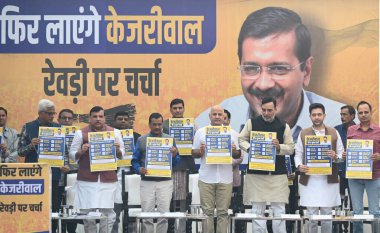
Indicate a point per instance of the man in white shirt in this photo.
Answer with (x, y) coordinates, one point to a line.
(319, 193)
(215, 180)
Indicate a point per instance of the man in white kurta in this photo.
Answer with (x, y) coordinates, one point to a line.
(95, 190)
(319, 193)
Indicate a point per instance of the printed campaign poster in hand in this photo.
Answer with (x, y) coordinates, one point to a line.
(51, 149)
(317, 160)
(129, 145)
(289, 169)
(218, 145)
(69, 136)
(182, 129)
(358, 159)
(262, 155)
(102, 151)
(158, 160)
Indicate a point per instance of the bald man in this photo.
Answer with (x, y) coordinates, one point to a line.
(215, 180)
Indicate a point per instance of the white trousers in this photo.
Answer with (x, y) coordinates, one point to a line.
(326, 226)
(260, 226)
(105, 224)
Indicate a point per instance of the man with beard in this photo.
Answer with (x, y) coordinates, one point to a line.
(266, 186)
(275, 61)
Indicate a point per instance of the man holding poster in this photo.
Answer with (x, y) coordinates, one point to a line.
(155, 189)
(66, 119)
(261, 185)
(95, 190)
(29, 144)
(183, 134)
(121, 122)
(215, 180)
(366, 130)
(319, 193)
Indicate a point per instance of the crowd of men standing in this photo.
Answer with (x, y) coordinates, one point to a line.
(274, 50)
(319, 194)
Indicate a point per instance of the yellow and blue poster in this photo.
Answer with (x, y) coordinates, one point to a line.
(129, 147)
(182, 129)
(69, 136)
(158, 159)
(289, 169)
(102, 151)
(316, 157)
(51, 149)
(358, 159)
(218, 145)
(262, 153)
(24, 197)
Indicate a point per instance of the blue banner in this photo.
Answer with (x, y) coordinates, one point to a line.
(170, 26)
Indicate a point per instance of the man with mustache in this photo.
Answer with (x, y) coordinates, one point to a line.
(275, 61)
(262, 187)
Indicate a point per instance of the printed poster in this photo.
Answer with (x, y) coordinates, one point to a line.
(358, 160)
(317, 160)
(182, 129)
(262, 155)
(218, 145)
(129, 146)
(102, 151)
(24, 197)
(69, 136)
(51, 149)
(158, 161)
(289, 169)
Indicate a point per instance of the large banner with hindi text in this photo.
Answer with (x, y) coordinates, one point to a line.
(137, 56)
(24, 197)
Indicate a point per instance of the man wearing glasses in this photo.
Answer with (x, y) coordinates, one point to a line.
(66, 118)
(275, 61)
(28, 147)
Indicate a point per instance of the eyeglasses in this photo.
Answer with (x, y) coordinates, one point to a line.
(252, 71)
(50, 113)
